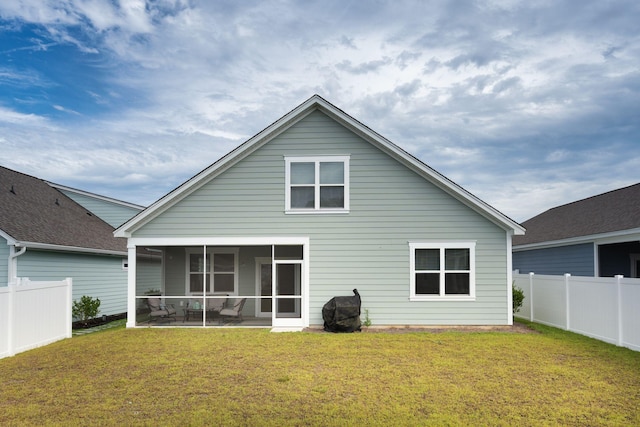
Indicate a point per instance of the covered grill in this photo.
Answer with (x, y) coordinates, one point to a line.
(342, 314)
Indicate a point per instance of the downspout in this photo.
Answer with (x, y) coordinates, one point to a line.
(13, 264)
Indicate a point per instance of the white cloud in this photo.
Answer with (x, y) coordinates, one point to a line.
(489, 93)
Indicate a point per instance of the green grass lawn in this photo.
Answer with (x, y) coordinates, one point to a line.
(254, 377)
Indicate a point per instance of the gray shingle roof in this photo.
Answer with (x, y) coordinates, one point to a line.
(33, 211)
(616, 210)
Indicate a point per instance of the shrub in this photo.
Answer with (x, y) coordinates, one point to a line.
(87, 308)
(518, 298)
(367, 320)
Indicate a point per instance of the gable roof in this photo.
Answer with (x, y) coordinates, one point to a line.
(317, 103)
(34, 214)
(95, 196)
(614, 211)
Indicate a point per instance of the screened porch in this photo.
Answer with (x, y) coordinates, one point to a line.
(219, 286)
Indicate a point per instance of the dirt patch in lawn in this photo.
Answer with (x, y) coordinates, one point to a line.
(516, 328)
(98, 321)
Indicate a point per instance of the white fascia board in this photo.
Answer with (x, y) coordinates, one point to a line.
(600, 239)
(62, 248)
(422, 169)
(10, 240)
(217, 241)
(218, 167)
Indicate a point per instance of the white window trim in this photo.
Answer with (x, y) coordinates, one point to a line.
(317, 160)
(442, 245)
(210, 252)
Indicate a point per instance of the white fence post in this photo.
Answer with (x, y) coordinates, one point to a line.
(620, 322)
(531, 296)
(69, 283)
(567, 302)
(12, 294)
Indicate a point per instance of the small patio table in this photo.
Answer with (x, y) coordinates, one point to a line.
(191, 312)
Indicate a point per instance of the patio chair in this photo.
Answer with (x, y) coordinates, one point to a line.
(158, 310)
(233, 311)
(215, 305)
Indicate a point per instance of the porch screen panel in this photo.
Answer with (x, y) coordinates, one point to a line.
(265, 288)
(288, 278)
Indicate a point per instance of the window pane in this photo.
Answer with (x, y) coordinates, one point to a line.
(428, 283)
(331, 173)
(332, 197)
(196, 263)
(303, 173)
(223, 283)
(195, 283)
(302, 197)
(456, 283)
(223, 263)
(427, 259)
(456, 259)
(288, 252)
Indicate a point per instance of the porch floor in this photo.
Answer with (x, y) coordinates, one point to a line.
(256, 322)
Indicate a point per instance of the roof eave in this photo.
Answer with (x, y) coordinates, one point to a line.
(424, 170)
(600, 238)
(286, 121)
(63, 248)
(10, 240)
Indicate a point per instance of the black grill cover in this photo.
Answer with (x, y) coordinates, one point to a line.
(342, 314)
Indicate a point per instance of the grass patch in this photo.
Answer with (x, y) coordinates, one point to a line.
(253, 377)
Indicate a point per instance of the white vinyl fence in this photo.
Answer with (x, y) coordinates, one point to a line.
(33, 314)
(605, 308)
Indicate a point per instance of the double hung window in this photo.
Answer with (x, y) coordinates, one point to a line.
(442, 271)
(317, 184)
(214, 272)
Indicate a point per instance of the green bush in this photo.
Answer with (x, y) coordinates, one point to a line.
(367, 320)
(85, 309)
(518, 298)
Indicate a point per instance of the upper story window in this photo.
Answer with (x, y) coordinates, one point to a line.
(317, 184)
(442, 271)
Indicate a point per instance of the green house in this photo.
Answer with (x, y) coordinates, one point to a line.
(49, 232)
(312, 207)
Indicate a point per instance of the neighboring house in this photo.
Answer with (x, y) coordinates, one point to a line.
(112, 211)
(597, 236)
(319, 204)
(45, 235)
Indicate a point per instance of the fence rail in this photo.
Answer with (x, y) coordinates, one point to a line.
(605, 308)
(33, 314)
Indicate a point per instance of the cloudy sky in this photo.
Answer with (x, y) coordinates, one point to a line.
(527, 104)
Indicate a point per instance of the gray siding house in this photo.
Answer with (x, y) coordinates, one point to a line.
(598, 236)
(45, 235)
(315, 205)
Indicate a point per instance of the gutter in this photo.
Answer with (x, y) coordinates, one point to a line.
(629, 235)
(51, 247)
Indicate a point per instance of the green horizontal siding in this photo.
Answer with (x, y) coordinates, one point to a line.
(95, 276)
(365, 249)
(4, 262)
(113, 214)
